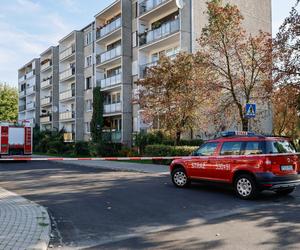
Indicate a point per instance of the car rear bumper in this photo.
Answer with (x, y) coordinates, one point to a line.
(273, 182)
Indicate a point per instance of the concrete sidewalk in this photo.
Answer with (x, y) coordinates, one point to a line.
(23, 224)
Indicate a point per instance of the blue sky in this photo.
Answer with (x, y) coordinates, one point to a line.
(28, 27)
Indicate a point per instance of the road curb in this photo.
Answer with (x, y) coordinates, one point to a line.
(23, 223)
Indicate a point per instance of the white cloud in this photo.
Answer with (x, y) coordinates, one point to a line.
(71, 6)
(29, 5)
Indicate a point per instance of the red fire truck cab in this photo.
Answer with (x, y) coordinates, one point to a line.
(15, 139)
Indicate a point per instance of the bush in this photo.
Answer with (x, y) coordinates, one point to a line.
(165, 150)
(81, 148)
(105, 149)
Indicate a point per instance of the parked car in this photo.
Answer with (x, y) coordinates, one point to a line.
(250, 163)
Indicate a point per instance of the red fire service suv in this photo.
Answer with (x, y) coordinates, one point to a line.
(250, 163)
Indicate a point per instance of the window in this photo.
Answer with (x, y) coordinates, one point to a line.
(207, 149)
(88, 105)
(88, 38)
(118, 97)
(280, 147)
(134, 39)
(253, 148)
(88, 83)
(87, 127)
(88, 61)
(231, 148)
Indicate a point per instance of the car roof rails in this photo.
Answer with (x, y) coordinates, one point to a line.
(239, 134)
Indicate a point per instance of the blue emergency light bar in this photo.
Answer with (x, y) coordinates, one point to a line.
(237, 133)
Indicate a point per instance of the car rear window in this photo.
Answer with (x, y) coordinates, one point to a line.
(280, 147)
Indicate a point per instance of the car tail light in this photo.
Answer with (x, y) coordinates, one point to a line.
(268, 165)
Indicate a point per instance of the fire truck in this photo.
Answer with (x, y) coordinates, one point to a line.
(15, 139)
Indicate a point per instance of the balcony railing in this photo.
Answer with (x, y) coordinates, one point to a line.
(111, 81)
(46, 101)
(67, 73)
(30, 90)
(46, 65)
(22, 108)
(22, 93)
(45, 118)
(67, 52)
(165, 30)
(68, 115)
(148, 5)
(46, 83)
(109, 28)
(115, 136)
(108, 55)
(30, 105)
(22, 78)
(112, 108)
(69, 137)
(145, 68)
(30, 74)
(67, 94)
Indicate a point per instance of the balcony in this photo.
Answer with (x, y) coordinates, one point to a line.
(112, 108)
(22, 108)
(115, 136)
(108, 55)
(111, 81)
(46, 83)
(30, 90)
(67, 52)
(30, 74)
(163, 31)
(46, 101)
(68, 115)
(46, 65)
(22, 93)
(45, 118)
(68, 94)
(68, 73)
(144, 68)
(30, 105)
(148, 5)
(22, 78)
(109, 28)
(69, 137)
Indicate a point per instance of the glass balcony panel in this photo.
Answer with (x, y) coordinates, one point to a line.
(67, 94)
(109, 28)
(108, 55)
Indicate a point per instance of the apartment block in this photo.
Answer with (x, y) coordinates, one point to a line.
(71, 86)
(49, 89)
(29, 89)
(113, 52)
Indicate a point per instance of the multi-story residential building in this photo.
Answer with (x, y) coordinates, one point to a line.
(114, 51)
(29, 89)
(71, 87)
(49, 89)
(89, 77)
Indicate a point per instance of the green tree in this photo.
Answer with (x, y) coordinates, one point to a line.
(8, 103)
(97, 119)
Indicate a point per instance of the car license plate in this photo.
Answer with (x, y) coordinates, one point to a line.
(287, 168)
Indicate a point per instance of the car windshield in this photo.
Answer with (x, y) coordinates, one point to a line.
(280, 147)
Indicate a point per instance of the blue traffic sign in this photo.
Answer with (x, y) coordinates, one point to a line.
(250, 110)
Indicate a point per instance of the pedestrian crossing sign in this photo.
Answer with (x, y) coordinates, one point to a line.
(250, 110)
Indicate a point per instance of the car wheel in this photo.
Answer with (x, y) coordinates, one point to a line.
(180, 178)
(245, 187)
(286, 191)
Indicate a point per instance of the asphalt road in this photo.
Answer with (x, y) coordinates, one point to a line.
(103, 209)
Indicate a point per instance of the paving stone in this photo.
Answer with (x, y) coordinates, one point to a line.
(19, 223)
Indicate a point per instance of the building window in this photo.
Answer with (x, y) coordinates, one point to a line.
(88, 61)
(87, 127)
(88, 38)
(88, 83)
(88, 105)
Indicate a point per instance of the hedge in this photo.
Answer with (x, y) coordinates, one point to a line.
(165, 150)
